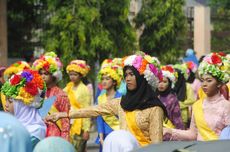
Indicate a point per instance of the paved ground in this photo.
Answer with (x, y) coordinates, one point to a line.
(91, 146)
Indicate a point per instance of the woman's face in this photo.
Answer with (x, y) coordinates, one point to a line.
(163, 85)
(210, 85)
(74, 76)
(46, 76)
(9, 106)
(130, 80)
(107, 82)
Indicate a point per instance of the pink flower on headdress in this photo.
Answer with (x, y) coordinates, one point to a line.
(59, 64)
(208, 59)
(81, 65)
(137, 62)
(153, 69)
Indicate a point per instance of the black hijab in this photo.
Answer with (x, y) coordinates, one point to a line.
(167, 91)
(180, 86)
(191, 77)
(141, 98)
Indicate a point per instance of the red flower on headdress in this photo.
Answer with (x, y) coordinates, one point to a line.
(215, 59)
(222, 54)
(190, 65)
(169, 68)
(15, 80)
(46, 66)
(31, 88)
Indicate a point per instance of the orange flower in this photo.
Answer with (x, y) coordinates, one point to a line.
(123, 61)
(143, 66)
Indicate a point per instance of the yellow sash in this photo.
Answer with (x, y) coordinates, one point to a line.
(53, 109)
(135, 130)
(77, 124)
(3, 99)
(112, 121)
(203, 128)
(168, 124)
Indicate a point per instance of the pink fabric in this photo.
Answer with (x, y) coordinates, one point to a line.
(217, 115)
(196, 86)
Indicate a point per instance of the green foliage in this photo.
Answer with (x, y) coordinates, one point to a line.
(22, 18)
(221, 30)
(90, 30)
(165, 23)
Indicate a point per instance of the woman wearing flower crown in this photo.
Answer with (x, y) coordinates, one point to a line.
(192, 77)
(110, 79)
(49, 67)
(79, 97)
(9, 71)
(211, 114)
(25, 92)
(169, 98)
(184, 93)
(139, 111)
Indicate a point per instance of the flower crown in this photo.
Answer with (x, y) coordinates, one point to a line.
(15, 68)
(115, 72)
(27, 86)
(79, 66)
(169, 72)
(106, 63)
(216, 64)
(50, 63)
(147, 66)
(183, 68)
(191, 66)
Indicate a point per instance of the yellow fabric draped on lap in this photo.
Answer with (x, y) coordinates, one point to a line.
(77, 124)
(112, 121)
(134, 129)
(202, 126)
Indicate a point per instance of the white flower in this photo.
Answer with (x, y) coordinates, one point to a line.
(129, 60)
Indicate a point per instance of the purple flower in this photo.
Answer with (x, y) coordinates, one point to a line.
(27, 75)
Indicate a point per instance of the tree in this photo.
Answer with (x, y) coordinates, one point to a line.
(23, 18)
(164, 27)
(221, 30)
(91, 30)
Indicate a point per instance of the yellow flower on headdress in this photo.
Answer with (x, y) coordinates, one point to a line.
(50, 63)
(15, 68)
(78, 66)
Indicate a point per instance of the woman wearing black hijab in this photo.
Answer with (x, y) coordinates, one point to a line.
(184, 93)
(139, 111)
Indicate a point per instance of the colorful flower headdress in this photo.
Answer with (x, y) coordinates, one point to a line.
(15, 68)
(26, 86)
(79, 66)
(50, 63)
(216, 64)
(147, 66)
(183, 68)
(169, 72)
(191, 66)
(112, 69)
(106, 63)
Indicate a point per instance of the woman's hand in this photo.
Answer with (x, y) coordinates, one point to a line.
(56, 116)
(167, 131)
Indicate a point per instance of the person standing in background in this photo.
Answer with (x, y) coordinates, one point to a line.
(79, 97)
(49, 67)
